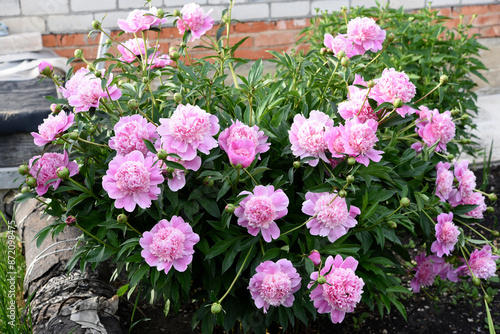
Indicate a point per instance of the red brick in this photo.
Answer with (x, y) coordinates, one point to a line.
(276, 38)
(487, 20)
(250, 27)
(70, 40)
(89, 52)
(235, 39)
(490, 32)
(170, 32)
(445, 12)
(470, 10)
(295, 24)
(49, 41)
(493, 8)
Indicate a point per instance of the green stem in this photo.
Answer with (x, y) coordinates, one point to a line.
(96, 238)
(133, 229)
(472, 229)
(380, 221)
(85, 190)
(246, 171)
(237, 275)
(423, 97)
(329, 80)
(92, 143)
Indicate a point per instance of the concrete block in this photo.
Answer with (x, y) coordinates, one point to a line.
(92, 5)
(10, 8)
(290, 9)
(224, 2)
(70, 23)
(45, 7)
(250, 11)
(366, 3)
(414, 4)
(328, 5)
(16, 43)
(442, 3)
(180, 3)
(24, 24)
(134, 4)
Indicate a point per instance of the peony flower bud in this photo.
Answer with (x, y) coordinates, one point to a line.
(62, 173)
(216, 308)
(177, 97)
(323, 51)
(122, 218)
(55, 108)
(45, 68)
(177, 13)
(96, 25)
(162, 154)
(71, 221)
(495, 233)
(350, 179)
(31, 182)
(443, 79)
(25, 190)
(450, 156)
(174, 55)
(160, 13)
(321, 279)
(476, 281)
(73, 135)
(351, 161)
(97, 74)
(78, 53)
(392, 224)
(398, 103)
(391, 37)
(341, 54)
(315, 257)
(345, 62)
(492, 197)
(455, 112)
(490, 209)
(296, 164)
(23, 170)
(405, 201)
(230, 208)
(342, 193)
(370, 84)
(133, 104)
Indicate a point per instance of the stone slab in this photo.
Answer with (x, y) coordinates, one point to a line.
(22, 42)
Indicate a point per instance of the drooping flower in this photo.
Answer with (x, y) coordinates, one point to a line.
(129, 134)
(444, 181)
(357, 105)
(475, 199)
(140, 20)
(365, 34)
(132, 49)
(340, 43)
(307, 136)
(159, 60)
(359, 141)
(444, 269)
(342, 290)
(446, 235)
(239, 131)
(315, 257)
(274, 284)
(84, 90)
(132, 180)
(195, 20)
(260, 209)
(481, 263)
(241, 152)
(425, 273)
(44, 168)
(332, 217)
(52, 127)
(169, 243)
(394, 85)
(189, 129)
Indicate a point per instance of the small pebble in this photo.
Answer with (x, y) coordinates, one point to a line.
(426, 307)
(384, 331)
(470, 320)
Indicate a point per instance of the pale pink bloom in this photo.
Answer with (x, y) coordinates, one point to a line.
(359, 141)
(340, 43)
(446, 235)
(443, 269)
(42, 67)
(129, 134)
(197, 21)
(365, 34)
(466, 179)
(393, 85)
(444, 181)
(140, 20)
(132, 180)
(475, 199)
(307, 136)
(437, 128)
(425, 273)
(342, 290)
(238, 131)
(44, 168)
(274, 284)
(334, 142)
(332, 218)
(84, 90)
(189, 129)
(178, 180)
(259, 211)
(481, 262)
(356, 106)
(52, 127)
(159, 60)
(132, 49)
(315, 257)
(169, 243)
(241, 152)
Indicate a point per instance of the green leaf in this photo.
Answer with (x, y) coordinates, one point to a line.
(150, 146)
(121, 291)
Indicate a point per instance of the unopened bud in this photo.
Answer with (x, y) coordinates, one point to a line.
(25, 190)
(208, 181)
(23, 170)
(315, 257)
(443, 79)
(455, 112)
(344, 9)
(31, 182)
(370, 84)
(492, 197)
(177, 97)
(145, 80)
(183, 45)
(323, 51)
(321, 279)
(342, 193)
(465, 117)
(133, 104)
(78, 53)
(71, 221)
(97, 74)
(349, 179)
(96, 25)
(73, 135)
(392, 224)
(490, 209)
(160, 13)
(405, 201)
(351, 161)
(476, 281)
(450, 156)
(62, 173)
(345, 62)
(230, 208)
(170, 170)
(398, 103)
(495, 233)
(391, 37)
(216, 308)
(238, 166)
(55, 108)
(162, 154)
(177, 13)
(341, 54)
(174, 55)
(122, 218)
(296, 164)
(92, 129)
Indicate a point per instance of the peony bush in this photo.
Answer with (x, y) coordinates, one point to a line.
(265, 198)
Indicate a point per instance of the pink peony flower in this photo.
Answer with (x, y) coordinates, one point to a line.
(274, 284)
(178, 180)
(132, 180)
(307, 136)
(340, 43)
(129, 134)
(359, 140)
(444, 181)
(446, 234)
(259, 210)
(44, 168)
(195, 20)
(315, 257)
(444, 270)
(475, 199)
(133, 49)
(139, 20)
(84, 90)
(238, 131)
(342, 290)
(332, 218)
(425, 273)
(159, 60)
(45, 67)
(169, 243)
(356, 106)
(365, 34)
(466, 179)
(481, 262)
(393, 85)
(436, 128)
(334, 142)
(241, 152)
(189, 129)
(52, 127)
